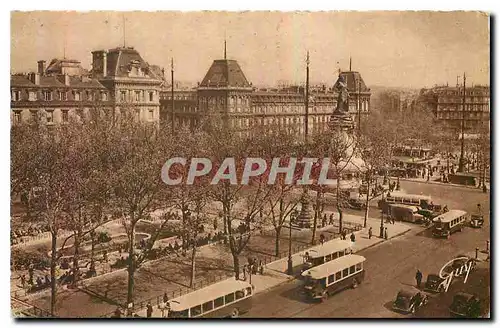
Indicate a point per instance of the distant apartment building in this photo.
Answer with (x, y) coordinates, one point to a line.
(447, 104)
(65, 90)
(226, 90)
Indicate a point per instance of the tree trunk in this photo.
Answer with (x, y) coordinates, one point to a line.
(193, 266)
(92, 246)
(367, 200)
(236, 264)
(131, 265)
(316, 214)
(277, 241)
(53, 278)
(339, 209)
(76, 256)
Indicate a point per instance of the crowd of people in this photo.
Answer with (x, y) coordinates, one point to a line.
(19, 235)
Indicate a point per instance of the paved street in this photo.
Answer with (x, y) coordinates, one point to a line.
(389, 267)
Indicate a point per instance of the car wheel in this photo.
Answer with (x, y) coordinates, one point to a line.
(355, 283)
(324, 296)
(235, 313)
(447, 236)
(413, 310)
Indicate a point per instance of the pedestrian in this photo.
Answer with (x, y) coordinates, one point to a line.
(261, 267)
(165, 298)
(149, 310)
(385, 233)
(30, 274)
(370, 233)
(105, 256)
(418, 278)
(118, 313)
(344, 235)
(245, 272)
(215, 224)
(353, 237)
(23, 280)
(331, 219)
(322, 239)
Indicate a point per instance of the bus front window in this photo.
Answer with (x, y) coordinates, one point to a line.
(317, 261)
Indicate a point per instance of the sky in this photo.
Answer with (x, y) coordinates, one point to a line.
(393, 49)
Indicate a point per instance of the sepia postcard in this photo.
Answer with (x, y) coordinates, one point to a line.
(181, 165)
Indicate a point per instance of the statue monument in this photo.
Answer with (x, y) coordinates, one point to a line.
(340, 117)
(305, 218)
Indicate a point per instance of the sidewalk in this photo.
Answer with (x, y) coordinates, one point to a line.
(275, 272)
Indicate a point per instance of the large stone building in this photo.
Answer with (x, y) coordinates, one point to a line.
(447, 104)
(65, 90)
(225, 90)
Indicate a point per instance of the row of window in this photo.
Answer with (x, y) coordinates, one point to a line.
(49, 115)
(468, 107)
(458, 115)
(136, 96)
(479, 99)
(457, 221)
(344, 273)
(50, 95)
(217, 303)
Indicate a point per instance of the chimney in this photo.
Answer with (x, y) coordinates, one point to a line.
(104, 63)
(34, 78)
(41, 67)
(100, 62)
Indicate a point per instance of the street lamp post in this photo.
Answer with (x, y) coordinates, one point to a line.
(290, 262)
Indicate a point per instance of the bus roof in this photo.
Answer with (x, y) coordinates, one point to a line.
(341, 263)
(449, 216)
(405, 195)
(207, 294)
(329, 248)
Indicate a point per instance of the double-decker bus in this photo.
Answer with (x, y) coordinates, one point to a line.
(449, 222)
(421, 201)
(325, 253)
(228, 298)
(333, 276)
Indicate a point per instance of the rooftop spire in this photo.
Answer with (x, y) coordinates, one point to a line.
(350, 64)
(225, 49)
(123, 18)
(307, 60)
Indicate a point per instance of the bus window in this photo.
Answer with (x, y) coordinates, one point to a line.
(342, 253)
(240, 294)
(358, 267)
(229, 298)
(335, 255)
(208, 306)
(331, 279)
(219, 302)
(323, 282)
(352, 269)
(345, 272)
(317, 261)
(178, 314)
(328, 258)
(338, 276)
(397, 199)
(407, 200)
(196, 310)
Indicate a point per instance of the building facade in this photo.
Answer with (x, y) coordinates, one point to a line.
(447, 103)
(226, 91)
(65, 90)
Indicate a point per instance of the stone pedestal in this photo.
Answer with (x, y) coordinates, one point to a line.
(305, 218)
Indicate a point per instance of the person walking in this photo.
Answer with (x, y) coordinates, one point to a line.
(30, 274)
(23, 281)
(385, 234)
(165, 298)
(331, 219)
(245, 272)
(353, 237)
(322, 239)
(370, 233)
(418, 278)
(344, 235)
(149, 310)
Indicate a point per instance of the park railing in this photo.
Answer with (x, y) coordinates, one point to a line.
(28, 310)
(158, 299)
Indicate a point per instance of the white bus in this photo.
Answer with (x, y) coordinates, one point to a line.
(331, 277)
(421, 201)
(449, 222)
(228, 298)
(326, 252)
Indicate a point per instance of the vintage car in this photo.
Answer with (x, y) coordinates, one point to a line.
(476, 221)
(356, 204)
(433, 283)
(409, 300)
(465, 305)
